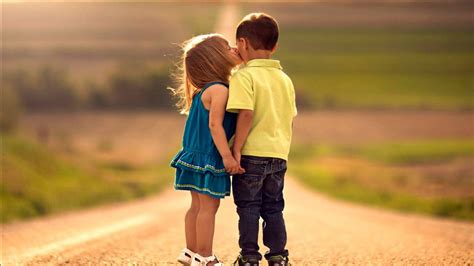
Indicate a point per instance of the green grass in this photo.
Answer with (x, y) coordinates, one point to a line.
(345, 188)
(416, 152)
(373, 68)
(36, 182)
(401, 153)
(381, 175)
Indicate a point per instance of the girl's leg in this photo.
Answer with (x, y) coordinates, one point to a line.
(190, 222)
(205, 224)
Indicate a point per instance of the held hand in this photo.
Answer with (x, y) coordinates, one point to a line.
(237, 156)
(231, 165)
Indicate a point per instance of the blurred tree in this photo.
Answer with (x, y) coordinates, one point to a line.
(130, 86)
(138, 86)
(55, 89)
(97, 97)
(47, 89)
(10, 109)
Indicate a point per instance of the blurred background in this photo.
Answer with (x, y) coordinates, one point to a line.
(384, 90)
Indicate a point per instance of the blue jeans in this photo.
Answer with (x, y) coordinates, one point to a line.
(259, 193)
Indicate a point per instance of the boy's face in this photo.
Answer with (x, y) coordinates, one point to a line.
(247, 52)
(242, 47)
(236, 55)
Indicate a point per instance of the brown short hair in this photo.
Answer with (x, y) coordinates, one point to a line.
(260, 29)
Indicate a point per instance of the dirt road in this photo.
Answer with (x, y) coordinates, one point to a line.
(321, 231)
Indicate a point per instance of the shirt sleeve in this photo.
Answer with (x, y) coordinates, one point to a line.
(295, 109)
(241, 94)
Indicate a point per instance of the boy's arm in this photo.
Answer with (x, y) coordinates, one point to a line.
(241, 101)
(244, 122)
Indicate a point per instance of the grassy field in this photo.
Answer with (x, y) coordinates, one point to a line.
(36, 181)
(340, 56)
(379, 56)
(97, 157)
(432, 176)
(367, 68)
(412, 161)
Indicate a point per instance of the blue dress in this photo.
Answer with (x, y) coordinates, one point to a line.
(199, 166)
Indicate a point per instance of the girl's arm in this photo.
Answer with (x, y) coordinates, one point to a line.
(218, 98)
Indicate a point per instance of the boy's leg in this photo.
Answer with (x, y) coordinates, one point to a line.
(274, 230)
(247, 191)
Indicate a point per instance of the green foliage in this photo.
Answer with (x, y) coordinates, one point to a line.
(418, 152)
(349, 189)
(130, 86)
(36, 182)
(133, 86)
(373, 68)
(376, 183)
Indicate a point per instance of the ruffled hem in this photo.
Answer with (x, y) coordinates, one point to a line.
(189, 187)
(217, 187)
(199, 163)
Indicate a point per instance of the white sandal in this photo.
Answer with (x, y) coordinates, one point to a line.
(199, 260)
(186, 256)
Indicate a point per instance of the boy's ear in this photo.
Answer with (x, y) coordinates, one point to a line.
(274, 48)
(245, 43)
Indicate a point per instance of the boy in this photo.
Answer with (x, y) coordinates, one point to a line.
(264, 97)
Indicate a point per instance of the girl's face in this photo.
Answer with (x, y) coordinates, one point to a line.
(234, 54)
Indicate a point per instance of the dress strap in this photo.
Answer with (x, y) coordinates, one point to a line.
(213, 83)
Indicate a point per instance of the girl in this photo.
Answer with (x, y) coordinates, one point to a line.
(205, 163)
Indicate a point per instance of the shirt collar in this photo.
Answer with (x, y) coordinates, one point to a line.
(264, 63)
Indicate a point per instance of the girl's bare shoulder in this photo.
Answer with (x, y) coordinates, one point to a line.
(215, 90)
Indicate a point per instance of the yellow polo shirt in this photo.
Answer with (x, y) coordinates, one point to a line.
(263, 87)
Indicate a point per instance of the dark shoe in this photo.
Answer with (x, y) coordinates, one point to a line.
(278, 261)
(242, 261)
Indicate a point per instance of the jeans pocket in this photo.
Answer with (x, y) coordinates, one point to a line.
(253, 167)
(274, 185)
(280, 165)
(246, 186)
